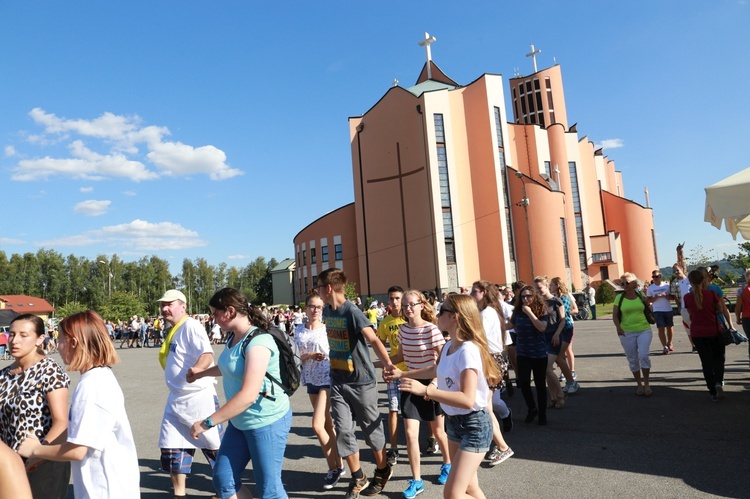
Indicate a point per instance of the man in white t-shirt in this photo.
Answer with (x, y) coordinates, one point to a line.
(659, 295)
(186, 345)
(681, 287)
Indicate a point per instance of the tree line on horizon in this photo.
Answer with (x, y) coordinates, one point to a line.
(118, 289)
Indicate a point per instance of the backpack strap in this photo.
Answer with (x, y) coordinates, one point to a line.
(245, 342)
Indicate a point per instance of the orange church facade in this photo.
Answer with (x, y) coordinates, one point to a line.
(448, 190)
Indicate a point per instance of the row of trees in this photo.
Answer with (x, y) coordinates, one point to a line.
(120, 289)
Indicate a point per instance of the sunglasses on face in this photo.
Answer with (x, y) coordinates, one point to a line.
(656, 275)
(445, 310)
(527, 296)
(412, 305)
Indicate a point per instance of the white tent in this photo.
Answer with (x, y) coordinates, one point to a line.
(728, 201)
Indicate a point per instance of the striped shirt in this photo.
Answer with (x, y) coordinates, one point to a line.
(418, 344)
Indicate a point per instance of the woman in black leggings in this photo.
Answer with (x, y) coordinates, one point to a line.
(531, 352)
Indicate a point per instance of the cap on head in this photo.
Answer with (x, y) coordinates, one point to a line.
(172, 295)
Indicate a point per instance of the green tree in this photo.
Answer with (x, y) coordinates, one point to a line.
(264, 287)
(70, 308)
(350, 291)
(122, 306)
(698, 258)
(605, 293)
(741, 260)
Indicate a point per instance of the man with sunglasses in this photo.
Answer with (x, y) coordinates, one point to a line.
(659, 296)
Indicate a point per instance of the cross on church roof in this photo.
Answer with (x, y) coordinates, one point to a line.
(428, 40)
(532, 54)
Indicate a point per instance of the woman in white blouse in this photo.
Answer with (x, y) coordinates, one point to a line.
(312, 341)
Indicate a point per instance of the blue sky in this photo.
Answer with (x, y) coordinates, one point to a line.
(219, 129)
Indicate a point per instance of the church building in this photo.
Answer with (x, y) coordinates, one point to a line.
(448, 190)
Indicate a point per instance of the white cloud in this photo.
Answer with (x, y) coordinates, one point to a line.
(176, 158)
(610, 144)
(121, 137)
(10, 240)
(92, 208)
(130, 193)
(238, 257)
(86, 189)
(10, 151)
(138, 235)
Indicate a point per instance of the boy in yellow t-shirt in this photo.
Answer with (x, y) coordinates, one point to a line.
(388, 330)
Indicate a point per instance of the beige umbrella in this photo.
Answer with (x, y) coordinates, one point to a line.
(728, 201)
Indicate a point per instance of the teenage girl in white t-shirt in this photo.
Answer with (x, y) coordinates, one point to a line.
(99, 441)
(464, 373)
(420, 344)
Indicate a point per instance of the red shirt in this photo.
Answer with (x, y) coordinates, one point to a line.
(703, 322)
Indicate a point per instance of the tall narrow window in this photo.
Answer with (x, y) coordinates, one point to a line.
(312, 255)
(324, 253)
(304, 257)
(506, 195)
(575, 194)
(445, 197)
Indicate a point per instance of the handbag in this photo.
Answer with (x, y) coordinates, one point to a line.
(723, 330)
(738, 337)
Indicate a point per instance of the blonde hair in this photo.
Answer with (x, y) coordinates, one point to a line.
(562, 288)
(469, 328)
(94, 348)
(543, 279)
(428, 312)
(629, 276)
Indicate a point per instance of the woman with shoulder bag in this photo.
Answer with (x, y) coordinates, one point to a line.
(634, 330)
(704, 306)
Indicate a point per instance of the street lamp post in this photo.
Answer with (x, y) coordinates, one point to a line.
(109, 278)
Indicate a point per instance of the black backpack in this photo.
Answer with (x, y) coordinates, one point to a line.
(289, 360)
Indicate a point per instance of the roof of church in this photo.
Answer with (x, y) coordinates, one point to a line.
(436, 81)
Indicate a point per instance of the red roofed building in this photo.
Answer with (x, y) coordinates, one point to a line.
(24, 304)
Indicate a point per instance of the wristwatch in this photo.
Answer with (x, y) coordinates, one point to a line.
(208, 423)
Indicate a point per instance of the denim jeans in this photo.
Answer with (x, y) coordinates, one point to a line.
(265, 446)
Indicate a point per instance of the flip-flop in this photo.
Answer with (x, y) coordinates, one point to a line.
(639, 391)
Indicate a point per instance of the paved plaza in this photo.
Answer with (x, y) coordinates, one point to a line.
(606, 442)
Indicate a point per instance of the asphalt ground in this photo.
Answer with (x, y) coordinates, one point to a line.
(606, 442)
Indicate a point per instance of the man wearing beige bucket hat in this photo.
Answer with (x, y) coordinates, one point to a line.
(186, 345)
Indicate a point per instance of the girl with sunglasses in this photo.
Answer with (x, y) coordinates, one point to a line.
(312, 341)
(465, 371)
(531, 352)
(420, 343)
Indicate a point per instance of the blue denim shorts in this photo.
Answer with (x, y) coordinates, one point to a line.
(315, 389)
(472, 431)
(394, 396)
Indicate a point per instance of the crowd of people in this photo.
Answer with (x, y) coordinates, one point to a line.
(446, 362)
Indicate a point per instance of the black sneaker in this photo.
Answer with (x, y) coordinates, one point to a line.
(391, 456)
(379, 479)
(432, 447)
(508, 422)
(332, 478)
(356, 486)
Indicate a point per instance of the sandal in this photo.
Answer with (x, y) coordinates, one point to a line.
(552, 403)
(560, 403)
(639, 391)
(648, 391)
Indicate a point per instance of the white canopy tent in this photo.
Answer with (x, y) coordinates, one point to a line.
(728, 201)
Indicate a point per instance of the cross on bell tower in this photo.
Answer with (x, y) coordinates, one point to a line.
(532, 54)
